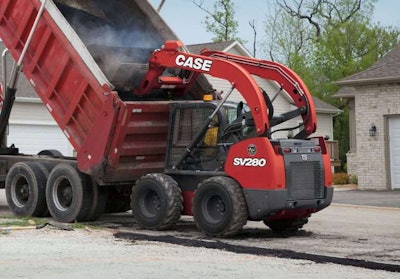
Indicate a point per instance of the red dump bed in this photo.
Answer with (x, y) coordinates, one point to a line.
(115, 140)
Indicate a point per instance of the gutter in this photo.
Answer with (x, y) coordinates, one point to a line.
(368, 81)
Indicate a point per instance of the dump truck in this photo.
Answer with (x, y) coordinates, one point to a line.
(136, 107)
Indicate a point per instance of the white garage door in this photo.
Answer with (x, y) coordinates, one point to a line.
(394, 136)
(31, 139)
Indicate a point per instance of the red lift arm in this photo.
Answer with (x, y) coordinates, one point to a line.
(287, 79)
(171, 57)
(236, 69)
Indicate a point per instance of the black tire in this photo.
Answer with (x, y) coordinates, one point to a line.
(69, 194)
(156, 201)
(25, 189)
(51, 153)
(99, 200)
(286, 225)
(219, 207)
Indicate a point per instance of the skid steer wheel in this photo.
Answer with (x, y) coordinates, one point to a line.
(25, 189)
(219, 207)
(69, 194)
(156, 201)
(286, 225)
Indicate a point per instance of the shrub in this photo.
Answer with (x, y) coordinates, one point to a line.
(340, 178)
(353, 179)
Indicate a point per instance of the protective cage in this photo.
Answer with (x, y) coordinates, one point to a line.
(186, 121)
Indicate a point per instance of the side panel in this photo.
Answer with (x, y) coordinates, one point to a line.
(140, 142)
(254, 164)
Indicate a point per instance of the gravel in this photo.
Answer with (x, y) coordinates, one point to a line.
(85, 253)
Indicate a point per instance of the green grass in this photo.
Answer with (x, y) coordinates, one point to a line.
(17, 221)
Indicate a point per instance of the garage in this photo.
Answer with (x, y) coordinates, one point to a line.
(394, 150)
(32, 138)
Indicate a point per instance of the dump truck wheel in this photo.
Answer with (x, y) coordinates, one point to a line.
(219, 207)
(286, 225)
(51, 153)
(25, 189)
(69, 194)
(156, 201)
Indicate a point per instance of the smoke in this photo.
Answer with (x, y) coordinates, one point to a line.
(117, 34)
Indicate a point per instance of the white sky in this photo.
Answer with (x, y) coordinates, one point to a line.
(185, 19)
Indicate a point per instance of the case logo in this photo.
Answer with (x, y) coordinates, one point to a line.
(193, 63)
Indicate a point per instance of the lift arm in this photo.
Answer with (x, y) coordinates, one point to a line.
(170, 56)
(286, 78)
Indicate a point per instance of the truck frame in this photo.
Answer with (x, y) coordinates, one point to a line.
(149, 143)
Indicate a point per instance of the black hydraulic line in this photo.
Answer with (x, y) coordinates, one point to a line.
(8, 103)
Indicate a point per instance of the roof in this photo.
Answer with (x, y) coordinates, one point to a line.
(324, 107)
(385, 70)
(345, 92)
(218, 46)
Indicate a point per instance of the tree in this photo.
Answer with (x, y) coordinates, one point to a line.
(221, 20)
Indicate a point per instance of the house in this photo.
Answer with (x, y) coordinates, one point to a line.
(373, 97)
(282, 103)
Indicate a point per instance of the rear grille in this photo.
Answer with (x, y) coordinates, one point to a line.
(305, 180)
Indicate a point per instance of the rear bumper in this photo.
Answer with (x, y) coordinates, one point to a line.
(263, 203)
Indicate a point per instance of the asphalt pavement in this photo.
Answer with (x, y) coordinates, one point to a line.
(390, 198)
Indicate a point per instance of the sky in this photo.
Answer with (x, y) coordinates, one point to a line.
(186, 19)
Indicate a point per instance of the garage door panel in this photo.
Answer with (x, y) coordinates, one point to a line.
(394, 150)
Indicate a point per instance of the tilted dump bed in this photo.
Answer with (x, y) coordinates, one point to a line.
(82, 56)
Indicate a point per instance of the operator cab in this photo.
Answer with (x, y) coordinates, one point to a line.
(231, 124)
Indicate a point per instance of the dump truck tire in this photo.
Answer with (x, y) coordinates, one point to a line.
(25, 189)
(99, 200)
(69, 194)
(156, 201)
(219, 207)
(51, 153)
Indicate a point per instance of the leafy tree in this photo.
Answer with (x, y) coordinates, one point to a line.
(221, 20)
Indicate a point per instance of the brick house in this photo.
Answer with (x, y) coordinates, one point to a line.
(373, 97)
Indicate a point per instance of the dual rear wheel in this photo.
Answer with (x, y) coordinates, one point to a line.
(39, 188)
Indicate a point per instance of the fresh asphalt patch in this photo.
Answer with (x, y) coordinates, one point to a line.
(257, 251)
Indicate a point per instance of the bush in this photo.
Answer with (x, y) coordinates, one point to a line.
(353, 179)
(340, 178)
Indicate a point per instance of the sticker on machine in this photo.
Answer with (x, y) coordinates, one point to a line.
(249, 162)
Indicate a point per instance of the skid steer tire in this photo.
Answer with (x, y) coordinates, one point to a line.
(156, 201)
(69, 194)
(219, 207)
(25, 189)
